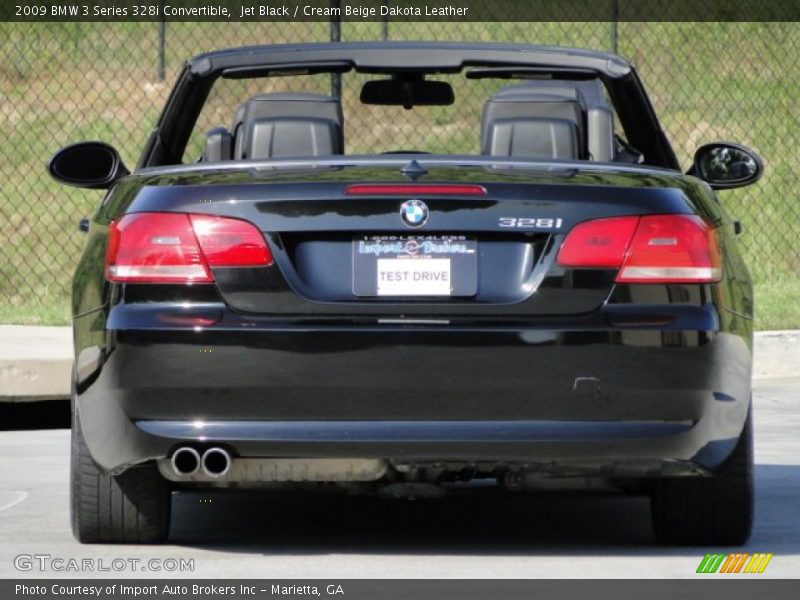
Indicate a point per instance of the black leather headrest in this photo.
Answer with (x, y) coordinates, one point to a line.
(526, 122)
(286, 125)
(571, 119)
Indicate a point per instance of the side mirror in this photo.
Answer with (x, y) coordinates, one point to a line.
(93, 165)
(724, 166)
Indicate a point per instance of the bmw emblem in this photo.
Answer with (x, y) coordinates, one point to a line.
(414, 213)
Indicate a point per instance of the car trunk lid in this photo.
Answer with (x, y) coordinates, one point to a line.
(496, 249)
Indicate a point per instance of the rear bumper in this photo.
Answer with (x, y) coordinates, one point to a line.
(621, 448)
(640, 399)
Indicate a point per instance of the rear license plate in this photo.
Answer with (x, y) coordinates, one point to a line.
(397, 265)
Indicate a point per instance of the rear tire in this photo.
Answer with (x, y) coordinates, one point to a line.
(708, 511)
(131, 508)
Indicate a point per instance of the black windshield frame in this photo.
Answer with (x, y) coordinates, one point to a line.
(625, 89)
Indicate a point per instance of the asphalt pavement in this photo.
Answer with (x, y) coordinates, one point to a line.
(463, 536)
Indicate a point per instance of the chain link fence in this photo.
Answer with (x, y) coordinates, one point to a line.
(66, 82)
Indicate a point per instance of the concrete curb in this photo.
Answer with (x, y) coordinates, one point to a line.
(777, 354)
(35, 362)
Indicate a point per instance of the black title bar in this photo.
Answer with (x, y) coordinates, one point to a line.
(709, 588)
(398, 10)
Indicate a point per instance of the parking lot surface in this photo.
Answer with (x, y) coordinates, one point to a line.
(484, 534)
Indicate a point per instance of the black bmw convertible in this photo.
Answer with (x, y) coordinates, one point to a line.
(560, 304)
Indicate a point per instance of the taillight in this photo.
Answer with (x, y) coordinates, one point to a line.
(648, 249)
(154, 248)
(230, 242)
(180, 248)
(600, 243)
(672, 248)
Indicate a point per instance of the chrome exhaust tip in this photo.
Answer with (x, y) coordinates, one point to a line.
(216, 462)
(185, 461)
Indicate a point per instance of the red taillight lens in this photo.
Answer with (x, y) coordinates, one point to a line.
(672, 248)
(230, 242)
(180, 248)
(648, 249)
(154, 248)
(414, 189)
(600, 243)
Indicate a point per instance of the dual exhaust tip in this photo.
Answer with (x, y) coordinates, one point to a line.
(214, 462)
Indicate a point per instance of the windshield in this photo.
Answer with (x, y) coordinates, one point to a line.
(478, 112)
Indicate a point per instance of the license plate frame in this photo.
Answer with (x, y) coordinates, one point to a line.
(414, 266)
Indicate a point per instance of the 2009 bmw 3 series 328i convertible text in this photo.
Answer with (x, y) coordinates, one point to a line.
(257, 308)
